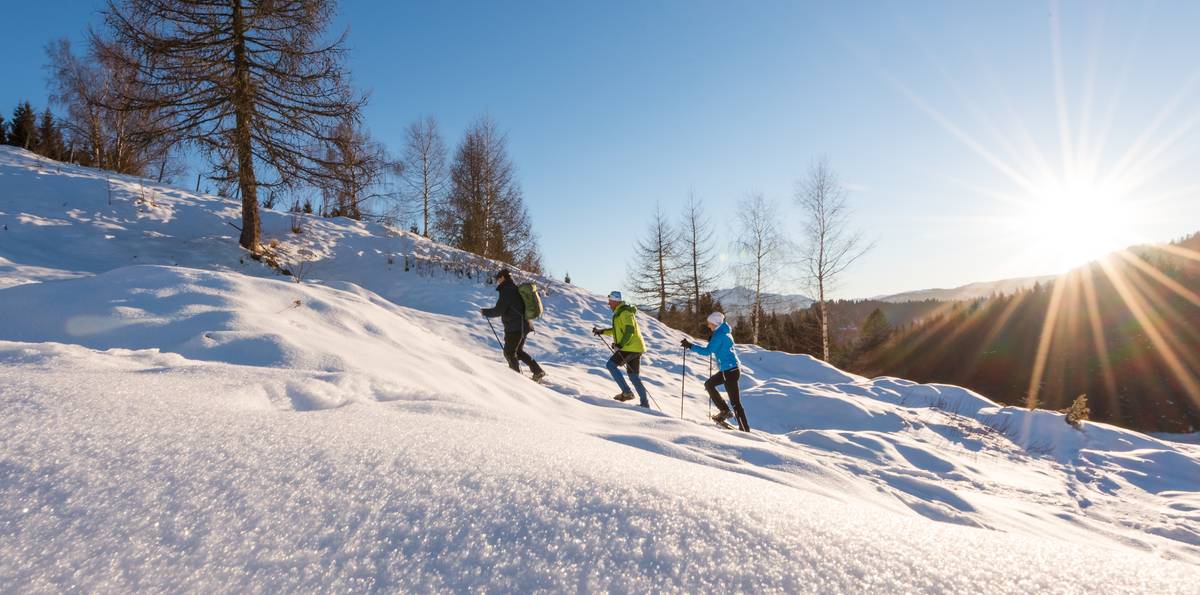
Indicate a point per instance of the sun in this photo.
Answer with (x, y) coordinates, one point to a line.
(1074, 222)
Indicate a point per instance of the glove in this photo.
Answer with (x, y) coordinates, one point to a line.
(685, 344)
(597, 332)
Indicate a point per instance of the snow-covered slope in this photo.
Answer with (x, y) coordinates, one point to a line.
(176, 416)
(969, 291)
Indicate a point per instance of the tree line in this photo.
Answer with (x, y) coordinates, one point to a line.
(675, 265)
(1125, 331)
(262, 92)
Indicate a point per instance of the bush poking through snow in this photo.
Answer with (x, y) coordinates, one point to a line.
(297, 217)
(1077, 412)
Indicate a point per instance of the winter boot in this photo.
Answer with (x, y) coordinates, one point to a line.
(539, 375)
(721, 416)
(625, 396)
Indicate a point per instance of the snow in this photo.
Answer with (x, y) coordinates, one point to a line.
(179, 417)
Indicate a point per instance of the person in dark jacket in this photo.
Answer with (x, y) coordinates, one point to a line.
(721, 344)
(510, 309)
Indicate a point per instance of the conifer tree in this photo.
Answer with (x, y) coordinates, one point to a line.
(23, 129)
(3, 131)
(49, 137)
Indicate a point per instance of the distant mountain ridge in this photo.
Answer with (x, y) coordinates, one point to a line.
(737, 301)
(969, 291)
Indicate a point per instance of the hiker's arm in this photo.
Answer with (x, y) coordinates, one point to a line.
(502, 305)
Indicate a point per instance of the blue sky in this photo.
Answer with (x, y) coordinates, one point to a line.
(971, 152)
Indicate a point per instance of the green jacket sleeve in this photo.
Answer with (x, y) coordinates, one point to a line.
(623, 328)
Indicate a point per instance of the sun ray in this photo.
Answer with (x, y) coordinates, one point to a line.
(1176, 287)
(1099, 340)
(1060, 93)
(1179, 251)
(1043, 349)
(1133, 302)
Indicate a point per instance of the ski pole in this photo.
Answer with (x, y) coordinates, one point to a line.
(494, 332)
(682, 382)
(652, 399)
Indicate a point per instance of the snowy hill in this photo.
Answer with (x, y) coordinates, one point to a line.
(178, 417)
(969, 291)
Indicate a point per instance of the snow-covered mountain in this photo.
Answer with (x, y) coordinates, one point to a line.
(738, 300)
(969, 291)
(179, 417)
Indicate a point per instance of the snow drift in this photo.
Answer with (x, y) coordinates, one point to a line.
(178, 416)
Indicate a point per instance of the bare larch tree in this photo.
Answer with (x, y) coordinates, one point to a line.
(652, 275)
(699, 271)
(760, 247)
(829, 245)
(424, 174)
(484, 211)
(253, 83)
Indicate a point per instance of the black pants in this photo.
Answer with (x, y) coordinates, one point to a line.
(514, 351)
(729, 378)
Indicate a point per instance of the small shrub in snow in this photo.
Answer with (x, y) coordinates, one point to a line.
(297, 218)
(1077, 412)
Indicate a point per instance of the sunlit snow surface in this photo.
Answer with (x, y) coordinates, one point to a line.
(205, 424)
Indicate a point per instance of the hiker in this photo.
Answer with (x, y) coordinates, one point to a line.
(627, 348)
(510, 308)
(721, 343)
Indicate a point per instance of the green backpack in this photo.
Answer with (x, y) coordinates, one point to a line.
(533, 301)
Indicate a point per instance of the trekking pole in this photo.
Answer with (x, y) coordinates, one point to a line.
(682, 382)
(652, 399)
(494, 332)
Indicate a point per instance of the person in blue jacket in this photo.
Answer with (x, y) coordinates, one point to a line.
(721, 344)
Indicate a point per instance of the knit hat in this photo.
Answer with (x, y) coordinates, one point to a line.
(503, 273)
(716, 318)
(615, 296)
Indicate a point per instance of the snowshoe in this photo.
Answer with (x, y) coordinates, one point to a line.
(538, 376)
(624, 397)
(720, 417)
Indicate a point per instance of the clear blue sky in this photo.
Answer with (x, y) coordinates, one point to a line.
(943, 118)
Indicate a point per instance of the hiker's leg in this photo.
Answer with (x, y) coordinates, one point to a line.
(525, 357)
(735, 397)
(512, 344)
(614, 368)
(710, 386)
(633, 366)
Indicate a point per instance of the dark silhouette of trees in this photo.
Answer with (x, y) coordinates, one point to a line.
(1126, 334)
(22, 131)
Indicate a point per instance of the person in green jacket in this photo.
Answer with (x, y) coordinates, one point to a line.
(628, 348)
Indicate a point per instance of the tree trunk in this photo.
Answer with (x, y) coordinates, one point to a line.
(247, 185)
(425, 191)
(755, 315)
(824, 320)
